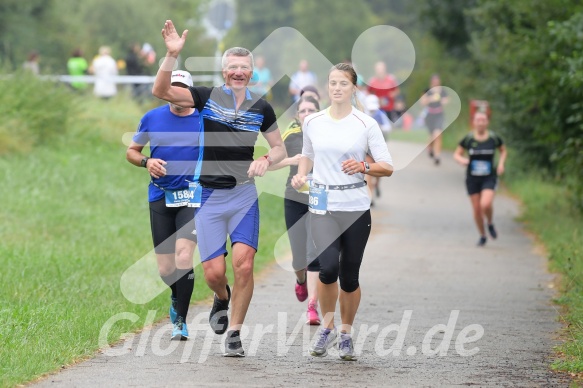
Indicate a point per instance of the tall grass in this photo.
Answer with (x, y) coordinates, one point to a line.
(33, 112)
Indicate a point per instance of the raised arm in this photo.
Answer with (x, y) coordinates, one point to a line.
(162, 86)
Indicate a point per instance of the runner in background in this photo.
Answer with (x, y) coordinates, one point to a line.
(304, 261)
(386, 88)
(434, 99)
(482, 173)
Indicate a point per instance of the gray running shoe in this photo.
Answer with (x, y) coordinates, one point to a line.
(233, 346)
(324, 341)
(346, 348)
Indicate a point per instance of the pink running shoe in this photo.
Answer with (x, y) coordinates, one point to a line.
(312, 313)
(302, 290)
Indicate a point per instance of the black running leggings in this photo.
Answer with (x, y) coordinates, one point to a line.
(340, 239)
(298, 229)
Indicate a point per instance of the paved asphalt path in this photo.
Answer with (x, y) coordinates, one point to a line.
(435, 311)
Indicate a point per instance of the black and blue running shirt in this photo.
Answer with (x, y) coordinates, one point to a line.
(228, 135)
(481, 155)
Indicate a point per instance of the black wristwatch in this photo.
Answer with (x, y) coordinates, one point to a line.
(144, 161)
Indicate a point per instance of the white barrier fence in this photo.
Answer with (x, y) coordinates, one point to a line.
(118, 79)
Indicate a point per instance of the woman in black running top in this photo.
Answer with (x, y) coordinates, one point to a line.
(482, 172)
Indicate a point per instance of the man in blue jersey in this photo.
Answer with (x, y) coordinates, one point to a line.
(173, 134)
(232, 118)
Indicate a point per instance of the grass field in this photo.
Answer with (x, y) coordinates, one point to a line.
(75, 217)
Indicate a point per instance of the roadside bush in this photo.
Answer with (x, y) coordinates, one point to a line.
(33, 112)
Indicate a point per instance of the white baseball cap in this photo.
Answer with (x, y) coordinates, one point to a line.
(182, 77)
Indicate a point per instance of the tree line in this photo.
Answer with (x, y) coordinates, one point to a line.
(524, 56)
(527, 58)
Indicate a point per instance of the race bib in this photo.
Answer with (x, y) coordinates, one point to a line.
(195, 194)
(318, 201)
(480, 168)
(177, 198)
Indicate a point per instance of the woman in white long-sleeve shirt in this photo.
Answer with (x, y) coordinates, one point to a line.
(336, 142)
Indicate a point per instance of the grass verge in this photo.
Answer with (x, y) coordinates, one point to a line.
(75, 217)
(548, 213)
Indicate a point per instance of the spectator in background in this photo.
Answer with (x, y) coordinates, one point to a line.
(262, 81)
(386, 88)
(31, 63)
(105, 68)
(149, 53)
(136, 65)
(77, 65)
(300, 79)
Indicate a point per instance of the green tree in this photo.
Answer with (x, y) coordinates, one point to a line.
(332, 25)
(56, 27)
(256, 20)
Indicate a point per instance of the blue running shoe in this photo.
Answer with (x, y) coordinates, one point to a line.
(179, 331)
(482, 241)
(173, 312)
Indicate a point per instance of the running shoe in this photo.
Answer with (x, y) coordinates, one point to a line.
(437, 161)
(218, 318)
(431, 154)
(312, 313)
(346, 348)
(482, 241)
(179, 330)
(492, 231)
(302, 290)
(173, 312)
(324, 341)
(233, 346)
(377, 191)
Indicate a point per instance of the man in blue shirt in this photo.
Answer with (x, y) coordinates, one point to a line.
(173, 134)
(232, 118)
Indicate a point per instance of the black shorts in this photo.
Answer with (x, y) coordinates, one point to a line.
(475, 186)
(434, 121)
(169, 224)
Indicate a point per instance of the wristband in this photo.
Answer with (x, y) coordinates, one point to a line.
(144, 161)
